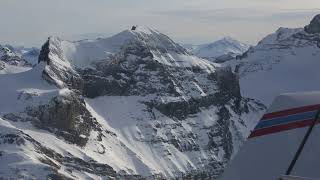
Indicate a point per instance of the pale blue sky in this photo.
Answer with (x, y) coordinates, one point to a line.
(30, 22)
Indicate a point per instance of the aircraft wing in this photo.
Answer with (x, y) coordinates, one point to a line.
(271, 146)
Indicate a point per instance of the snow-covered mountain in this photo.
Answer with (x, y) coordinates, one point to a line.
(12, 62)
(29, 54)
(133, 106)
(219, 51)
(17, 59)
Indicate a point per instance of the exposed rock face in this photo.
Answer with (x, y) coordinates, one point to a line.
(58, 73)
(314, 26)
(128, 73)
(229, 88)
(69, 117)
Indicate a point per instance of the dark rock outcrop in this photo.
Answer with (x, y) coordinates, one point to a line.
(314, 26)
(66, 116)
(56, 73)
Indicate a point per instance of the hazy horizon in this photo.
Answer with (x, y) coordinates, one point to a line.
(185, 21)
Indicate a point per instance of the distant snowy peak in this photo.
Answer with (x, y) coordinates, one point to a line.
(220, 48)
(26, 53)
(11, 61)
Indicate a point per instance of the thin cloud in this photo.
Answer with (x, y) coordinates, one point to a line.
(240, 14)
(184, 20)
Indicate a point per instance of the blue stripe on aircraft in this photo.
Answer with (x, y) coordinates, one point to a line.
(285, 120)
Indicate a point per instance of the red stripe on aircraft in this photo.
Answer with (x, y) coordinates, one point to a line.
(280, 128)
(291, 111)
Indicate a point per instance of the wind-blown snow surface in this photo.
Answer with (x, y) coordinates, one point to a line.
(223, 49)
(132, 106)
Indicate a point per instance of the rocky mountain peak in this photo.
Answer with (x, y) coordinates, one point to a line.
(314, 26)
(156, 40)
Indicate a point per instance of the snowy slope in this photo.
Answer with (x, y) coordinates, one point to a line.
(223, 49)
(135, 105)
